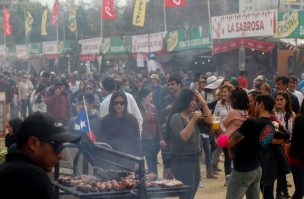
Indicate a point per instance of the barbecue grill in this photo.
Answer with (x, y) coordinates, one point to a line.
(103, 157)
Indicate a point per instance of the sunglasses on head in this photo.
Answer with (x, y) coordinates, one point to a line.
(58, 147)
(119, 102)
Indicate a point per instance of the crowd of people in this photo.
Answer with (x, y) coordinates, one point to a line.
(259, 127)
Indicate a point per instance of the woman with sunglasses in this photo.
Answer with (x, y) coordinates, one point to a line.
(119, 128)
(184, 137)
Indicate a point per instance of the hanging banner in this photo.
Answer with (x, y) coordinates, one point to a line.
(184, 39)
(175, 3)
(139, 13)
(140, 60)
(108, 9)
(247, 24)
(21, 51)
(290, 24)
(55, 13)
(43, 22)
(115, 45)
(7, 27)
(50, 49)
(148, 42)
(90, 49)
(72, 17)
(243, 42)
(28, 23)
(2, 50)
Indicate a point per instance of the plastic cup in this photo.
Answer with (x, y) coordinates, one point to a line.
(216, 123)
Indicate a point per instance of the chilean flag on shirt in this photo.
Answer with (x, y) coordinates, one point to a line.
(82, 124)
(175, 3)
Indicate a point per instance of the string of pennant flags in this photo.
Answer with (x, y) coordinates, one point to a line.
(107, 13)
(252, 24)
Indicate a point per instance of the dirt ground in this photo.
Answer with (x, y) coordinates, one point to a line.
(214, 188)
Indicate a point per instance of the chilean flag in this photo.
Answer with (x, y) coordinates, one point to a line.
(82, 124)
(175, 3)
(108, 10)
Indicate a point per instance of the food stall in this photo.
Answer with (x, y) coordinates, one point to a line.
(115, 175)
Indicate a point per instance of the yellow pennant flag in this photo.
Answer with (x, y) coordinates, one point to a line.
(72, 17)
(139, 13)
(28, 23)
(43, 22)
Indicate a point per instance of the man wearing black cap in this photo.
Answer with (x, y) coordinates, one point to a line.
(40, 141)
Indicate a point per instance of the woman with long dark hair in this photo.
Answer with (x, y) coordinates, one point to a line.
(119, 128)
(296, 154)
(151, 137)
(285, 116)
(184, 138)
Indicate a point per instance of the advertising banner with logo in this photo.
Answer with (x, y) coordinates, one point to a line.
(115, 45)
(139, 13)
(90, 49)
(290, 24)
(34, 48)
(2, 50)
(247, 24)
(183, 39)
(148, 42)
(50, 49)
(21, 51)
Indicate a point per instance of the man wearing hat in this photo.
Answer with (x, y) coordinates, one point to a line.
(213, 83)
(40, 141)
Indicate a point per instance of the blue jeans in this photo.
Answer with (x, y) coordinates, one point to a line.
(244, 183)
(150, 149)
(207, 150)
(298, 179)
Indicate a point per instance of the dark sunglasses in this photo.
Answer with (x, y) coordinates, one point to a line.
(202, 82)
(89, 88)
(121, 103)
(58, 147)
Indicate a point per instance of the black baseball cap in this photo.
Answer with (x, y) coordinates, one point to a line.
(44, 126)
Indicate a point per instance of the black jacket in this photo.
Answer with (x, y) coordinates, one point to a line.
(20, 177)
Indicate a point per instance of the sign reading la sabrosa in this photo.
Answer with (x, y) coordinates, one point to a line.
(248, 24)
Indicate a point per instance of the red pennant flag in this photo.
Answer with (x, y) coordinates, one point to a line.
(55, 13)
(175, 3)
(6, 22)
(108, 10)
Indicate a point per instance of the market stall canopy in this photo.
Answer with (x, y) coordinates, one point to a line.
(243, 42)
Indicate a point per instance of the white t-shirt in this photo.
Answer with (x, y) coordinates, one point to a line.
(299, 95)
